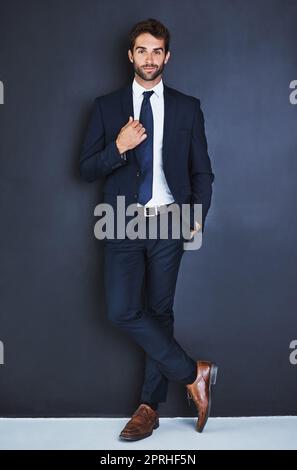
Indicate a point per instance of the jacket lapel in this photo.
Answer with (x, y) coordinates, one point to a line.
(169, 121)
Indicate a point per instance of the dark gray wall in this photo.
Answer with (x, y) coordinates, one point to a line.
(236, 297)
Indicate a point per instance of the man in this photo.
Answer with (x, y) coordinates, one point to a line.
(148, 142)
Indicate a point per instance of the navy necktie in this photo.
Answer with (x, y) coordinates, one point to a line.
(145, 149)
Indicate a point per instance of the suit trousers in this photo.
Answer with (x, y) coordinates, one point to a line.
(140, 278)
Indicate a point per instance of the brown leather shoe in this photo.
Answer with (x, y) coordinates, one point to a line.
(200, 391)
(141, 425)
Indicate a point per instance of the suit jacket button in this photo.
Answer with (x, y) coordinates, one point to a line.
(135, 195)
(138, 173)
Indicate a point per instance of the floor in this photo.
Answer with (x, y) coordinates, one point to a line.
(173, 433)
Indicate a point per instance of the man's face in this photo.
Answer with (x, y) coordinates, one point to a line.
(148, 56)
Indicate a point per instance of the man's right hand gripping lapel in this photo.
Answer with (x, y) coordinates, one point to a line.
(99, 159)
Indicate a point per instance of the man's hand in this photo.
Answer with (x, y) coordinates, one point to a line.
(197, 228)
(131, 135)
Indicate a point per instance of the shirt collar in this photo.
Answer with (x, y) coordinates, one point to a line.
(139, 89)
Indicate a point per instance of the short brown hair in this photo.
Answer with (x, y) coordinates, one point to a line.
(152, 26)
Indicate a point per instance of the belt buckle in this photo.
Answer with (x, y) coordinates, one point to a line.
(147, 214)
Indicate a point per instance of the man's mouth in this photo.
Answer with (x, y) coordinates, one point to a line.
(149, 68)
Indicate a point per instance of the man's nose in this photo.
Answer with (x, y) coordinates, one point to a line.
(149, 59)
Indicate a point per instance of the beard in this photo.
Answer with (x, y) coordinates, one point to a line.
(148, 76)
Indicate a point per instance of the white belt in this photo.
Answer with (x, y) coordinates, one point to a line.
(151, 211)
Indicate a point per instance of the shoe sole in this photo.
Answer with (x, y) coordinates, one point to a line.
(213, 378)
(138, 438)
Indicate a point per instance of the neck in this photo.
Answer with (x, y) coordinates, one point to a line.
(147, 83)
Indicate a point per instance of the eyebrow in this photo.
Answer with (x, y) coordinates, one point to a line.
(155, 48)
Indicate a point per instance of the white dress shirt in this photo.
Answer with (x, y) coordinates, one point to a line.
(161, 192)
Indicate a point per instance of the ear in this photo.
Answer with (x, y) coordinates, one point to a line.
(130, 55)
(167, 57)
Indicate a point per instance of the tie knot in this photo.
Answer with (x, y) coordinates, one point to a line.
(147, 94)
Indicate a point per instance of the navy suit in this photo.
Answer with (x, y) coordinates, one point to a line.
(140, 275)
(186, 163)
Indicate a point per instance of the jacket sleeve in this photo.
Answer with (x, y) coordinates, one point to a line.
(97, 158)
(201, 173)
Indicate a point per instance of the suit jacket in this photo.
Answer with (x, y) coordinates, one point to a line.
(186, 162)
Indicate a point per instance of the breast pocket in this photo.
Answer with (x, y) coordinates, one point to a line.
(182, 141)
